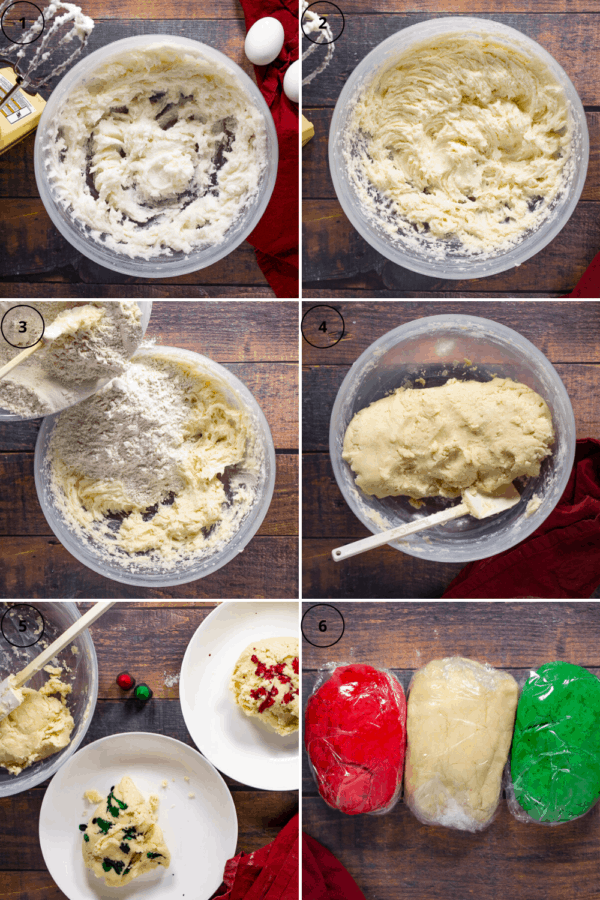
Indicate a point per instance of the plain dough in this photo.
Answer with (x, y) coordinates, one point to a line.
(464, 138)
(40, 727)
(266, 683)
(459, 723)
(158, 151)
(439, 441)
(123, 838)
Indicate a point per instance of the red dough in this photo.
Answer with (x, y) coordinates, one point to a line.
(355, 736)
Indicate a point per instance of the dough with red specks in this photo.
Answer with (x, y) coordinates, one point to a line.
(266, 683)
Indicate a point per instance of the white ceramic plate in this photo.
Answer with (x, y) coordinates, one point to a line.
(201, 833)
(242, 747)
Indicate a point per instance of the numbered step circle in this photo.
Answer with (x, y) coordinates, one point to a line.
(22, 625)
(17, 20)
(322, 326)
(323, 625)
(22, 326)
(317, 17)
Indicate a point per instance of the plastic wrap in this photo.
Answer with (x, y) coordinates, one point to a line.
(459, 725)
(355, 737)
(554, 771)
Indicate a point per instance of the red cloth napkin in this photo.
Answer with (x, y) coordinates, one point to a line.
(271, 873)
(589, 283)
(561, 560)
(275, 238)
(323, 876)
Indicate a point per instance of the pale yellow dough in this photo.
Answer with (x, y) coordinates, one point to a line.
(439, 441)
(39, 727)
(124, 820)
(255, 684)
(459, 726)
(465, 138)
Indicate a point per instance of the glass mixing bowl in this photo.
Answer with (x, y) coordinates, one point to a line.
(57, 617)
(165, 266)
(88, 553)
(433, 258)
(145, 308)
(435, 349)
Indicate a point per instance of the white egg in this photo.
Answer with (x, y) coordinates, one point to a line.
(291, 82)
(264, 41)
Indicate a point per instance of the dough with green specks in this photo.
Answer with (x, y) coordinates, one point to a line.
(123, 840)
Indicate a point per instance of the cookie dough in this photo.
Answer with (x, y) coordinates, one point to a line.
(159, 151)
(555, 756)
(438, 441)
(122, 840)
(40, 727)
(355, 737)
(156, 467)
(265, 683)
(459, 723)
(463, 138)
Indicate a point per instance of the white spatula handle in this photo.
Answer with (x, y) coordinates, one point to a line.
(61, 642)
(394, 534)
(19, 358)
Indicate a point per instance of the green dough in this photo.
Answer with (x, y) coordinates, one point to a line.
(555, 758)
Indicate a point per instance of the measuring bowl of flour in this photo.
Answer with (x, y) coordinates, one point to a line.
(156, 156)
(73, 367)
(163, 476)
(428, 353)
(458, 148)
(27, 629)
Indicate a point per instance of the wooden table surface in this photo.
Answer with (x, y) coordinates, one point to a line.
(566, 332)
(338, 262)
(394, 856)
(258, 342)
(149, 641)
(35, 260)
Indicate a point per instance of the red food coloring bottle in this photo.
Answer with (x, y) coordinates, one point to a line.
(125, 681)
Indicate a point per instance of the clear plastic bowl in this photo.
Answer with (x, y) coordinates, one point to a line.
(435, 348)
(419, 259)
(197, 567)
(165, 266)
(84, 678)
(145, 308)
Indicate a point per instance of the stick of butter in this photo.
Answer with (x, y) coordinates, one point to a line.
(20, 115)
(308, 131)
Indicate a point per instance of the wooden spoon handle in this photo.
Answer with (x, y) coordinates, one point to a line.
(19, 358)
(61, 642)
(394, 534)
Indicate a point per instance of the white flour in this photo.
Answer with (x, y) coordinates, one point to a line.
(138, 468)
(53, 377)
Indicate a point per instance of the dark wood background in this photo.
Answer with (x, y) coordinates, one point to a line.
(338, 262)
(35, 260)
(394, 856)
(258, 342)
(567, 332)
(149, 641)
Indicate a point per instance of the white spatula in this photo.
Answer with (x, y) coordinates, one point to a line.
(67, 322)
(10, 695)
(474, 503)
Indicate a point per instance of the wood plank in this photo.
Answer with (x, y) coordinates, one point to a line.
(62, 291)
(364, 293)
(464, 7)
(316, 178)
(565, 332)
(31, 245)
(332, 249)
(510, 859)
(507, 635)
(159, 9)
(322, 383)
(563, 36)
(39, 567)
(262, 814)
(21, 514)
(381, 574)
